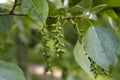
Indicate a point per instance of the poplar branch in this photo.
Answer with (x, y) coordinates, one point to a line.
(68, 18)
(12, 11)
(14, 6)
(13, 14)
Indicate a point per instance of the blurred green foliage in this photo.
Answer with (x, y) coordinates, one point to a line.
(21, 37)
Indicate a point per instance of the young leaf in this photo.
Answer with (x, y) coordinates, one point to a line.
(82, 59)
(41, 9)
(10, 72)
(102, 45)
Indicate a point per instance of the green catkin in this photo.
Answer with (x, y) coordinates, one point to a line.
(58, 38)
(97, 70)
(77, 30)
(45, 48)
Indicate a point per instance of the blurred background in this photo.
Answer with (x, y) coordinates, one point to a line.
(22, 46)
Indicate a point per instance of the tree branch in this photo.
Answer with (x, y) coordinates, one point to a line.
(14, 6)
(12, 11)
(16, 14)
(13, 14)
(68, 18)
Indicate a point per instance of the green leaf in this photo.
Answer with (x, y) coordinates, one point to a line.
(5, 27)
(82, 59)
(41, 9)
(36, 9)
(86, 4)
(52, 8)
(82, 6)
(76, 8)
(113, 3)
(5, 24)
(102, 45)
(99, 2)
(98, 8)
(104, 78)
(73, 2)
(68, 28)
(26, 6)
(10, 72)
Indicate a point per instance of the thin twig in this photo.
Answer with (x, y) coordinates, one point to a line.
(12, 11)
(68, 18)
(14, 6)
(13, 14)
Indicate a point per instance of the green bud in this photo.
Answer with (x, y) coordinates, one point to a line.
(60, 28)
(60, 50)
(61, 44)
(61, 35)
(55, 31)
(54, 25)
